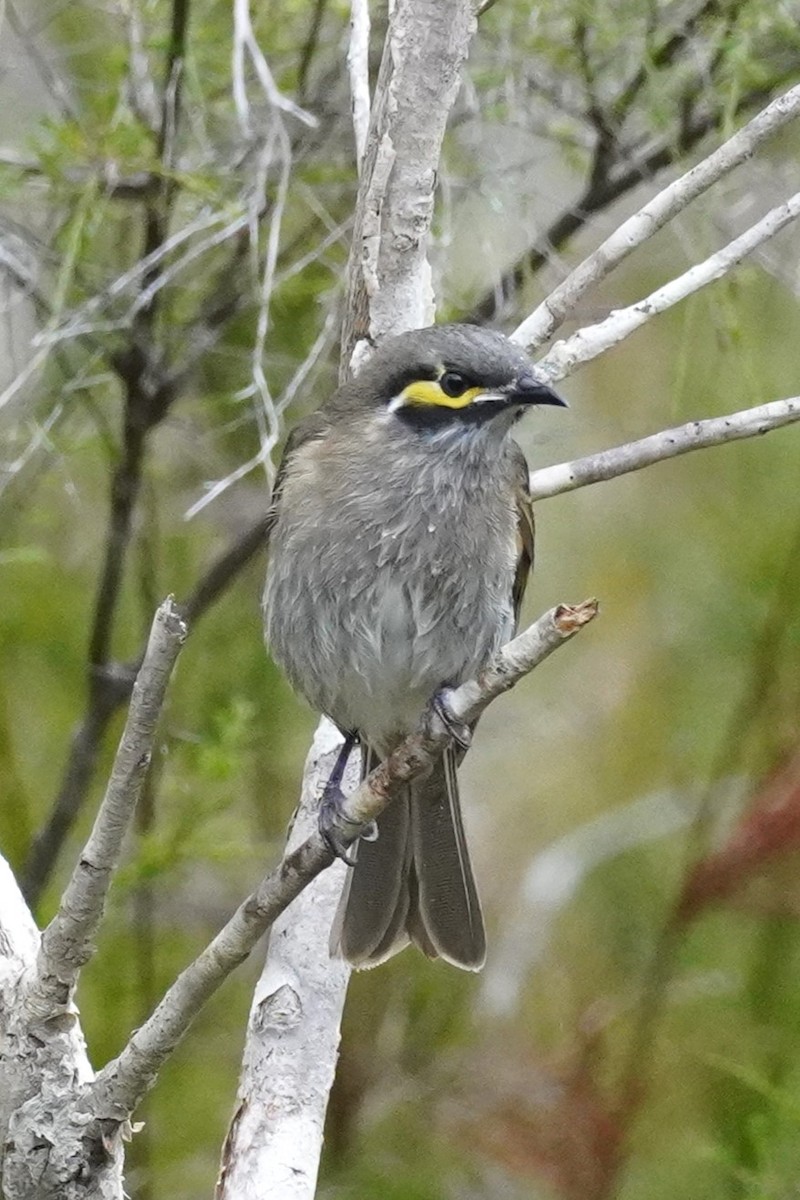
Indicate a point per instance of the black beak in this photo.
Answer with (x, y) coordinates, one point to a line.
(527, 389)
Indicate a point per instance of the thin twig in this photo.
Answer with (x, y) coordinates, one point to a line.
(309, 49)
(141, 85)
(148, 393)
(266, 413)
(74, 325)
(52, 81)
(217, 488)
(246, 45)
(135, 186)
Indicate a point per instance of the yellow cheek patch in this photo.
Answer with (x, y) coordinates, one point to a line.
(428, 391)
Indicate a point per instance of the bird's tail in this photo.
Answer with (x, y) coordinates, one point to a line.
(415, 881)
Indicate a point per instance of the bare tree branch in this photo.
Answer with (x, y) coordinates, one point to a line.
(593, 340)
(51, 79)
(246, 46)
(150, 389)
(270, 437)
(292, 1042)
(19, 944)
(669, 443)
(542, 323)
(148, 393)
(388, 277)
(309, 49)
(358, 71)
(596, 196)
(67, 942)
(42, 1068)
(136, 186)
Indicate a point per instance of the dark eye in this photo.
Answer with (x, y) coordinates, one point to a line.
(453, 384)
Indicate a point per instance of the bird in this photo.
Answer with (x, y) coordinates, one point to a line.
(400, 544)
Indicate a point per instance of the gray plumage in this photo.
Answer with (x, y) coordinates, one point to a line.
(400, 544)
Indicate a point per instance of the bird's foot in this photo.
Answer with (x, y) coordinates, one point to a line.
(340, 833)
(459, 731)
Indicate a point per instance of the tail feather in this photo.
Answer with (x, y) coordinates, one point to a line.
(445, 904)
(415, 881)
(374, 904)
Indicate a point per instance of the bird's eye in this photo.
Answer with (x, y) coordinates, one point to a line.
(453, 384)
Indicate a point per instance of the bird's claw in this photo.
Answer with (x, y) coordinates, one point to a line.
(340, 833)
(459, 731)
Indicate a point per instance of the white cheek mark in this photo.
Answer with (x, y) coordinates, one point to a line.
(395, 403)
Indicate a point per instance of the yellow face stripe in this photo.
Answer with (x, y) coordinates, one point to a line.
(427, 391)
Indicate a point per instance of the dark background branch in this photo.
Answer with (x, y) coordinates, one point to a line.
(614, 170)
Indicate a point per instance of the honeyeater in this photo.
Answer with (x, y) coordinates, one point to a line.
(400, 547)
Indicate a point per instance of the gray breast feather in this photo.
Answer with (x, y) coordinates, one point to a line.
(371, 607)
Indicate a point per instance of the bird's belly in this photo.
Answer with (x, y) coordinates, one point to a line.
(401, 649)
(371, 653)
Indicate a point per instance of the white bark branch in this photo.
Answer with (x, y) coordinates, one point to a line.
(19, 936)
(66, 944)
(19, 944)
(44, 1144)
(358, 72)
(389, 287)
(536, 329)
(669, 443)
(594, 340)
(274, 1148)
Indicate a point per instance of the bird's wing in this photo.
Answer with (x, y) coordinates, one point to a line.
(313, 426)
(525, 530)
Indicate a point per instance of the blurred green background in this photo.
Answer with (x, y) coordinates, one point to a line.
(606, 1049)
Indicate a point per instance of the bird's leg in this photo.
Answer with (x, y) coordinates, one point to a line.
(337, 829)
(459, 731)
(335, 778)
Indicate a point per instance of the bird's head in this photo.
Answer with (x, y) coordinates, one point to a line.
(451, 376)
